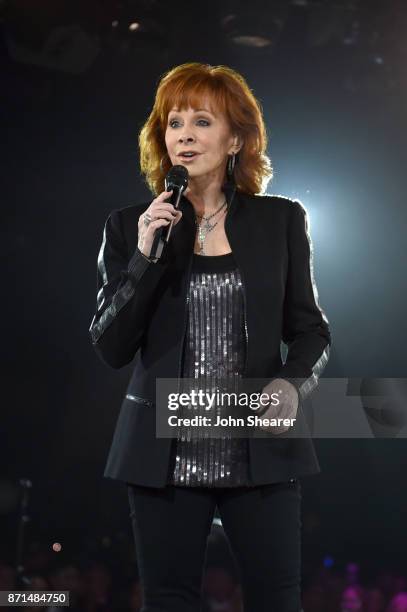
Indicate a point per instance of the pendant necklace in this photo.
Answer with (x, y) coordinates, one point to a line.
(205, 227)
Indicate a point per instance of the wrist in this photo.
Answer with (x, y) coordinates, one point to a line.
(150, 259)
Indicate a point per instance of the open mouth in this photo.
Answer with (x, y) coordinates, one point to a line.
(188, 156)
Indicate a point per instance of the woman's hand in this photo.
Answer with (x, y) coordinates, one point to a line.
(285, 409)
(160, 213)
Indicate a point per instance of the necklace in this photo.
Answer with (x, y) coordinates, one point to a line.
(205, 228)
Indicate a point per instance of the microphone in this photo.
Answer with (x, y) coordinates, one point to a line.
(177, 180)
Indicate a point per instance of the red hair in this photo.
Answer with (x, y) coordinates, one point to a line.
(186, 85)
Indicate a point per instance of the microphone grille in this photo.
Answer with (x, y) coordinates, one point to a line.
(177, 176)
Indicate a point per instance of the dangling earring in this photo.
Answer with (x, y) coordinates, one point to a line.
(231, 165)
(161, 162)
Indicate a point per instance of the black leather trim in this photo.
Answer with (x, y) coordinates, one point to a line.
(138, 399)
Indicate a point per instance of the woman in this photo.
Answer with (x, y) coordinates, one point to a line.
(233, 281)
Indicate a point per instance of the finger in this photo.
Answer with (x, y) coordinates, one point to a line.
(173, 213)
(160, 206)
(285, 413)
(178, 216)
(161, 210)
(163, 214)
(165, 206)
(157, 223)
(280, 411)
(284, 410)
(160, 201)
(164, 196)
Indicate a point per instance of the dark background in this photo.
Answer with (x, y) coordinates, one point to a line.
(77, 84)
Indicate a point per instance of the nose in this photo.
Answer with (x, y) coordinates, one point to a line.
(186, 139)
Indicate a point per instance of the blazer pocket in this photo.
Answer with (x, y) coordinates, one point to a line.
(138, 399)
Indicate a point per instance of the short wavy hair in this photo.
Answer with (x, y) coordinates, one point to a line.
(186, 85)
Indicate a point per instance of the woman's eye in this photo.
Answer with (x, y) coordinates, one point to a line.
(205, 122)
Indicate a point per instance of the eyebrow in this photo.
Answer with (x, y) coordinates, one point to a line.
(198, 110)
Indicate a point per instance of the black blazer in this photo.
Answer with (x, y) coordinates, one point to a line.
(141, 314)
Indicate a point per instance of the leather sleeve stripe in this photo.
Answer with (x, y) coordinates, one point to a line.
(135, 269)
(120, 299)
(310, 383)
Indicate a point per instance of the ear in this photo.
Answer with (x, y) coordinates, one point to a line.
(236, 146)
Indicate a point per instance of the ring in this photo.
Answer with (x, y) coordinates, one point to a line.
(147, 219)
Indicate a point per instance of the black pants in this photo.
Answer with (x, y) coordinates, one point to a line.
(262, 524)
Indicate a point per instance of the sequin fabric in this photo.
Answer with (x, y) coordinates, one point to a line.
(214, 349)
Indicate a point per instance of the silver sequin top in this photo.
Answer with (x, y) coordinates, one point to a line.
(214, 348)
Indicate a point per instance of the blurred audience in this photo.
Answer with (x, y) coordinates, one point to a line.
(110, 583)
(353, 599)
(398, 603)
(374, 600)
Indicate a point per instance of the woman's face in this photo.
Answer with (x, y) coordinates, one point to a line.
(205, 132)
